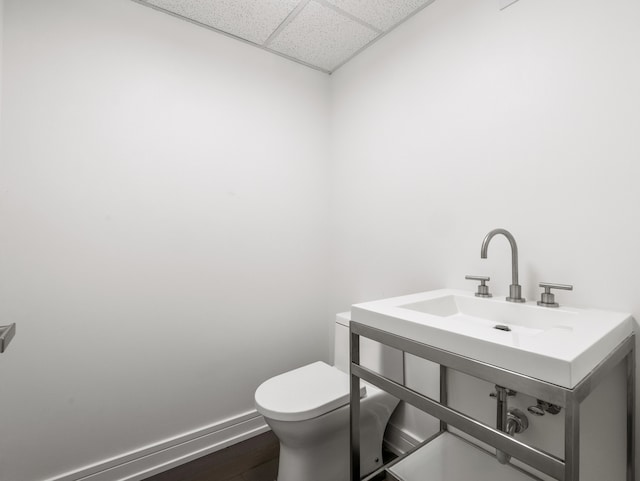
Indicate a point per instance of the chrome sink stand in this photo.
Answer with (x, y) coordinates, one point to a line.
(566, 469)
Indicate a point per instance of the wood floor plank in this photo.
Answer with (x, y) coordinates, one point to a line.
(265, 472)
(229, 464)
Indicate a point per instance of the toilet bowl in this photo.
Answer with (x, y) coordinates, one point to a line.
(308, 410)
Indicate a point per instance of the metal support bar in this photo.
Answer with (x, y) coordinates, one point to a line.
(631, 414)
(444, 393)
(572, 441)
(481, 370)
(540, 460)
(354, 411)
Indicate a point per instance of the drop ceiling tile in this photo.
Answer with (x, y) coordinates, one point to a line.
(382, 14)
(320, 36)
(252, 20)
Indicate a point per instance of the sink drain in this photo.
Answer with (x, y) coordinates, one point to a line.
(502, 327)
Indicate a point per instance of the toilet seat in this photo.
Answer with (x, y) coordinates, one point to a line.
(304, 393)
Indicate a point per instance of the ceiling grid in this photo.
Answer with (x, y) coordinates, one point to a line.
(322, 34)
(294, 13)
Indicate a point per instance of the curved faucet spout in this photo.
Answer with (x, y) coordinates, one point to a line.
(514, 250)
(515, 290)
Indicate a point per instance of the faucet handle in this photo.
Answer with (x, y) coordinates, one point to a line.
(483, 288)
(547, 298)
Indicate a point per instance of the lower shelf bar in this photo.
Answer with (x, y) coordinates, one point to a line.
(540, 460)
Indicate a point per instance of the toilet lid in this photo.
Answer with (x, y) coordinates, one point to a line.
(304, 393)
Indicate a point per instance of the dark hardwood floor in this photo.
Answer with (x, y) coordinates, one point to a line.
(255, 459)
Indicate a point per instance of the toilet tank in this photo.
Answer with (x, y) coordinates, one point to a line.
(384, 360)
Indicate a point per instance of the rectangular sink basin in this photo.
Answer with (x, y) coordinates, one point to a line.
(557, 345)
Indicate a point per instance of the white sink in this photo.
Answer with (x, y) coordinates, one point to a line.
(558, 345)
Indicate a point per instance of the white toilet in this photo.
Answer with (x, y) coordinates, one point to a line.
(308, 410)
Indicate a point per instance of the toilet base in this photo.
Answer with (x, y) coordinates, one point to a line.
(310, 454)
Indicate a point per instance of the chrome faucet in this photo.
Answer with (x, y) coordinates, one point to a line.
(515, 290)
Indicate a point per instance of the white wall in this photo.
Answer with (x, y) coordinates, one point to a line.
(163, 201)
(469, 118)
(1, 37)
(163, 209)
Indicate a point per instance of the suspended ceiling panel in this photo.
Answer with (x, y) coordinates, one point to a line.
(382, 14)
(323, 34)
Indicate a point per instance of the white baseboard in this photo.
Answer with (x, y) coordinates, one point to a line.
(398, 440)
(161, 456)
(158, 457)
